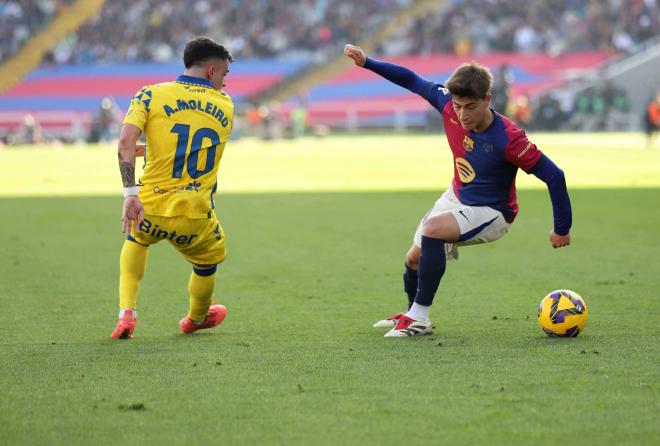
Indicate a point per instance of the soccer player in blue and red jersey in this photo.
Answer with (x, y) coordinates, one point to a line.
(481, 203)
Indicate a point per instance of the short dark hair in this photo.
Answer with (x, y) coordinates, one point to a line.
(203, 48)
(470, 80)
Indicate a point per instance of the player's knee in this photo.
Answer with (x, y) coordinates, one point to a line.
(443, 227)
(412, 258)
(433, 227)
(412, 263)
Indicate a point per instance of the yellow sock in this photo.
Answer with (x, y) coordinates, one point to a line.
(132, 263)
(200, 289)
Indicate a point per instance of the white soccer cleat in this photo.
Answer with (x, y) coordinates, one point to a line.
(407, 326)
(390, 322)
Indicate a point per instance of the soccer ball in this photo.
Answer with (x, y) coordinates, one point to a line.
(563, 313)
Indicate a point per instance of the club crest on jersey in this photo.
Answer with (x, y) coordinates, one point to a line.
(465, 170)
(468, 144)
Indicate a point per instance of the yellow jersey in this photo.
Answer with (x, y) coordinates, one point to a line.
(186, 124)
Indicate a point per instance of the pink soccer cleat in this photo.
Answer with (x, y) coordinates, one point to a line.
(216, 315)
(125, 325)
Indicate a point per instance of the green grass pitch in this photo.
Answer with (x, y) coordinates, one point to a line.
(315, 257)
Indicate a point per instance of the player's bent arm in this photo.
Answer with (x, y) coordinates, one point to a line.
(126, 153)
(133, 211)
(553, 176)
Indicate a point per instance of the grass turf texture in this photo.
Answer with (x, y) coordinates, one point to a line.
(296, 360)
(345, 163)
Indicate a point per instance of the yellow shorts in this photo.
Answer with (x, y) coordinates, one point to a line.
(201, 241)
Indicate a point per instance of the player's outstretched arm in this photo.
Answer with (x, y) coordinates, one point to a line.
(133, 212)
(397, 74)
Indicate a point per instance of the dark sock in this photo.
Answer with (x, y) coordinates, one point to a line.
(432, 262)
(410, 284)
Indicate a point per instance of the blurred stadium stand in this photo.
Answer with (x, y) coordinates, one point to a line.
(614, 97)
(74, 93)
(561, 58)
(157, 30)
(69, 16)
(556, 61)
(20, 20)
(359, 97)
(548, 26)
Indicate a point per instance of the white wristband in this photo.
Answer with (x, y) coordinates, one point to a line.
(133, 190)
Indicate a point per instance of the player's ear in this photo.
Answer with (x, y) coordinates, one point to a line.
(488, 97)
(210, 71)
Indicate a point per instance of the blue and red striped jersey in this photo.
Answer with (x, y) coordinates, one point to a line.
(485, 163)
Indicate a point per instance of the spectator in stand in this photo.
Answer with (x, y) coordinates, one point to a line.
(588, 112)
(501, 87)
(521, 111)
(298, 116)
(30, 132)
(617, 107)
(601, 108)
(106, 123)
(253, 117)
(652, 118)
(548, 114)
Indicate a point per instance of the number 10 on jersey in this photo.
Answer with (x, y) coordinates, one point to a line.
(183, 132)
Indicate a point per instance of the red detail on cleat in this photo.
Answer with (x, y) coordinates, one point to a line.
(125, 326)
(395, 317)
(215, 316)
(404, 322)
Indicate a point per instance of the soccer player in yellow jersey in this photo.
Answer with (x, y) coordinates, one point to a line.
(187, 123)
